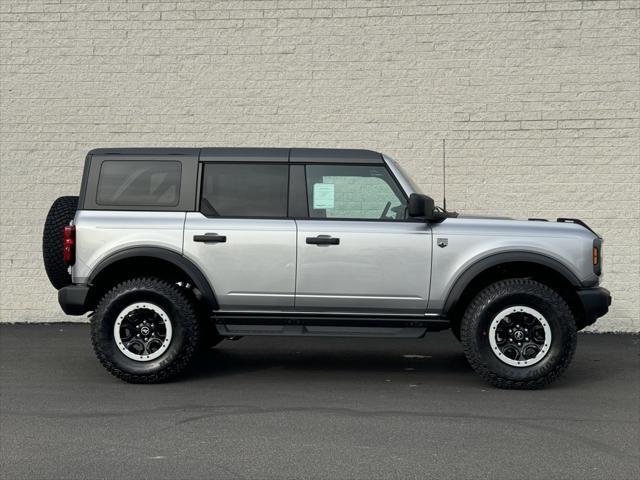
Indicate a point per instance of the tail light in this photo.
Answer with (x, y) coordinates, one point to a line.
(69, 245)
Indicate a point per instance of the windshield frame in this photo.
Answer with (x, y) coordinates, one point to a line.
(402, 176)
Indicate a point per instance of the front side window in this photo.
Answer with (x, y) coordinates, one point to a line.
(139, 183)
(244, 190)
(353, 192)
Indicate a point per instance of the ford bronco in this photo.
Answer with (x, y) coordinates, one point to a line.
(176, 249)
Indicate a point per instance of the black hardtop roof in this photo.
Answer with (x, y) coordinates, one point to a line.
(254, 154)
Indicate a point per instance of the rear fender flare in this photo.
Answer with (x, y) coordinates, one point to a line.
(178, 260)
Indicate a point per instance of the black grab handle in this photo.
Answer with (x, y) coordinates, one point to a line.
(210, 238)
(323, 240)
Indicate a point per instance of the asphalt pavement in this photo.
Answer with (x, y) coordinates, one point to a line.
(282, 408)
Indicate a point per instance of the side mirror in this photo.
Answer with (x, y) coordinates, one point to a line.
(422, 206)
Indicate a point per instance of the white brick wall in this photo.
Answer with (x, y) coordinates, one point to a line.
(539, 101)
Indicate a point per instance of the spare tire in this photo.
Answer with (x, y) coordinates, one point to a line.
(60, 214)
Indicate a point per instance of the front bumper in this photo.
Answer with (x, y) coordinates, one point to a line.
(595, 303)
(73, 299)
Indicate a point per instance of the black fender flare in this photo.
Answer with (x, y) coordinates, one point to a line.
(475, 269)
(173, 257)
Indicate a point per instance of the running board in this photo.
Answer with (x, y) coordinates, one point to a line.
(237, 324)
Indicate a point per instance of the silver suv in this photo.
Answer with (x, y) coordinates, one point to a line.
(174, 250)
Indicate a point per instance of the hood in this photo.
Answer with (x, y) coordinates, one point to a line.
(485, 224)
(575, 221)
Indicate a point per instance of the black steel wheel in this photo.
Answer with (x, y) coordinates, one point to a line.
(519, 334)
(145, 330)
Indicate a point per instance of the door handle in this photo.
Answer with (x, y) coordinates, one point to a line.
(210, 238)
(323, 240)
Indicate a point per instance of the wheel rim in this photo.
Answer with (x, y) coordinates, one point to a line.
(520, 336)
(142, 331)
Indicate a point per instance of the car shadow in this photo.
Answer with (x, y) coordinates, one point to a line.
(224, 361)
(437, 359)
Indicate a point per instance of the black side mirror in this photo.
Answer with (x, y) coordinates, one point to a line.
(421, 206)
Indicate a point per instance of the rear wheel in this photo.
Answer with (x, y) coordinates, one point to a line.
(518, 333)
(145, 330)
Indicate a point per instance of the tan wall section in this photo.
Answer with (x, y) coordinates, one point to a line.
(539, 102)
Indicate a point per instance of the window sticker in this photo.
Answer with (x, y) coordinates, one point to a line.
(323, 196)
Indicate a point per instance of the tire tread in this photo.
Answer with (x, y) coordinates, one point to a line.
(190, 323)
(497, 290)
(60, 214)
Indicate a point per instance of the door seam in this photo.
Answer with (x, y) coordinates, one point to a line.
(184, 232)
(295, 270)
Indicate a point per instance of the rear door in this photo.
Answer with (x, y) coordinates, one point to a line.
(357, 250)
(241, 237)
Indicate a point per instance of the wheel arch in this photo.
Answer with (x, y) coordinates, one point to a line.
(504, 265)
(145, 261)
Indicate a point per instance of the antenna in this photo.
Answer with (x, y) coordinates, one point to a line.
(444, 176)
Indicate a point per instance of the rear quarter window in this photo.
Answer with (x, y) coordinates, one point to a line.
(139, 183)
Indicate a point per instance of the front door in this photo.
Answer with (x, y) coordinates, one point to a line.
(358, 252)
(241, 237)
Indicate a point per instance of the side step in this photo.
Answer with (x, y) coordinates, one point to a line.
(232, 324)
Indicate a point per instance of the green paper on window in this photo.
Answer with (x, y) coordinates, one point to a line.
(323, 196)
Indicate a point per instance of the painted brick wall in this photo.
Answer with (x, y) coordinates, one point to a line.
(539, 101)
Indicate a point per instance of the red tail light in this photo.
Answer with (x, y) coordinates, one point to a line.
(69, 245)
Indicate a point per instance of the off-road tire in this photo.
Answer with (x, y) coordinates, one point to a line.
(60, 214)
(504, 294)
(185, 341)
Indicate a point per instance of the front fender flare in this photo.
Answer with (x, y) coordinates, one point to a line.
(475, 269)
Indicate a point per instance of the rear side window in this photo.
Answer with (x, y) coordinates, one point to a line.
(244, 190)
(139, 183)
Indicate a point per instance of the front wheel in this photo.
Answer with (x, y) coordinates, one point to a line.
(518, 333)
(145, 331)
